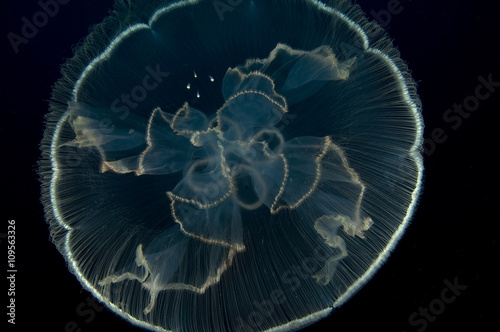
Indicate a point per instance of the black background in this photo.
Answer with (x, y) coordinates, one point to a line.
(447, 45)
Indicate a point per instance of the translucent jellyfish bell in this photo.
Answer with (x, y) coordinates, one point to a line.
(231, 165)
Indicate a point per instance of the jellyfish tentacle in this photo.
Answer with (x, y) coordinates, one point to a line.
(322, 180)
(301, 73)
(237, 80)
(251, 102)
(139, 260)
(94, 128)
(318, 164)
(356, 224)
(320, 64)
(214, 275)
(274, 175)
(155, 286)
(326, 227)
(188, 120)
(165, 263)
(248, 110)
(269, 135)
(303, 157)
(206, 182)
(166, 152)
(166, 137)
(219, 224)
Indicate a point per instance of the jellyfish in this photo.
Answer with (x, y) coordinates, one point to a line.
(242, 165)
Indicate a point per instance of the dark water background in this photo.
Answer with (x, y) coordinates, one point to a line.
(448, 46)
